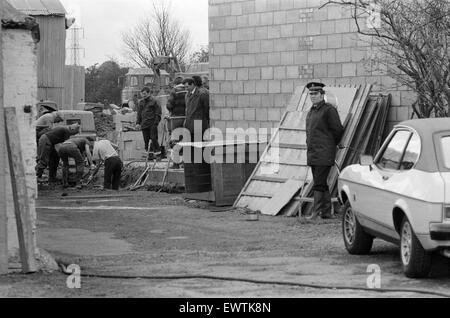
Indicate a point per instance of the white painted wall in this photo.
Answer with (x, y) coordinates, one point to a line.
(20, 89)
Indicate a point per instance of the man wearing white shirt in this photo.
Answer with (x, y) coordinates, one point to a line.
(105, 151)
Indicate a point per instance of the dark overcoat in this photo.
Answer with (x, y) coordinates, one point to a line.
(323, 133)
(197, 108)
(176, 103)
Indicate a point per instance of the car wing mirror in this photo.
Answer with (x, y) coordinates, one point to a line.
(365, 160)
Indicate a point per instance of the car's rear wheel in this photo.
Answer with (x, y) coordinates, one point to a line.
(415, 260)
(357, 242)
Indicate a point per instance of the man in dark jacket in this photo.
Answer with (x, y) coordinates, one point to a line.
(323, 133)
(148, 118)
(197, 108)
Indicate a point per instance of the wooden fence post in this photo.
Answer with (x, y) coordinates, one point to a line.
(3, 216)
(20, 192)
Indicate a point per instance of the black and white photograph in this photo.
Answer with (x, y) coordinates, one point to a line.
(222, 157)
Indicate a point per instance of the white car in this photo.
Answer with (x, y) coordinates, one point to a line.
(402, 195)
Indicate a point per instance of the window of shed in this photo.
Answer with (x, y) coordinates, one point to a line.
(134, 81)
(148, 80)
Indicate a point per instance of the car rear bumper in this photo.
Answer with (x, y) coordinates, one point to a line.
(439, 237)
(440, 232)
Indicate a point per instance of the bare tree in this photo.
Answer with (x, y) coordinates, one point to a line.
(158, 35)
(413, 42)
(200, 56)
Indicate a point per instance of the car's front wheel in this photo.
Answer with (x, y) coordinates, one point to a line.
(357, 242)
(415, 260)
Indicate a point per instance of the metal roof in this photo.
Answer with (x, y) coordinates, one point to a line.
(11, 18)
(9, 13)
(39, 7)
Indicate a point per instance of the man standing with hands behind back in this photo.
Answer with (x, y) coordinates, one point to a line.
(323, 133)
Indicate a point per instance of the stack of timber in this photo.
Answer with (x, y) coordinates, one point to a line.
(282, 173)
(363, 135)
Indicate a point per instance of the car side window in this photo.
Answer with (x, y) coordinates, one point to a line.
(393, 154)
(412, 153)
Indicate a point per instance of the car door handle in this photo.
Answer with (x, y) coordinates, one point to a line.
(385, 178)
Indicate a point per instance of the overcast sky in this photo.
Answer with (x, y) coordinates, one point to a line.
(104, 21)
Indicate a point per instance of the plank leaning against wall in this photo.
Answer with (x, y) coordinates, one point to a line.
(3, 219)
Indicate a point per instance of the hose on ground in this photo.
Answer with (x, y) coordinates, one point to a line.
(260, 282)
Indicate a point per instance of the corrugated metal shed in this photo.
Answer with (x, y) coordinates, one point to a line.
(39, 7)
(52, 52)
(50, 15)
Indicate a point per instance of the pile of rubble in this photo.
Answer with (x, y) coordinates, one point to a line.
(104, 124)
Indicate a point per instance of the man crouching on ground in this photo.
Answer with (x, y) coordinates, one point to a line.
(46, 152)
(105, 151)
(74, 148)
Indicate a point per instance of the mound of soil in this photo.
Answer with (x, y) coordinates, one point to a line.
(104, 124)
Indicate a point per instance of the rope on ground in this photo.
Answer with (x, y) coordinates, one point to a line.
(262, 282)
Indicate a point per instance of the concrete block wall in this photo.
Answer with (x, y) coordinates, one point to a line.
(260, 50)
(20, 89)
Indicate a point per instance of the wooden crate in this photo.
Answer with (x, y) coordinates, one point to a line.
(228, 179)
(220, 182)
(197, 177)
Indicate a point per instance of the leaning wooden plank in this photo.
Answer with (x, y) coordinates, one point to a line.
(269, 179)
(283, 171)
(22, 208)
(351, 129)
(381, 123)
(363, 131)
(282, 197)
(349, 134)
(377, 129)
(291, 209)
(3, 216)
(369, 131)
(265, 187)
(297, 99)
(257, 195)
(237, 203)
(253, 203)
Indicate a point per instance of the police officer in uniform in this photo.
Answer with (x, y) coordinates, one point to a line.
(323, 133)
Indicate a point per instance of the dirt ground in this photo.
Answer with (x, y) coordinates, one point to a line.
(160, 236)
